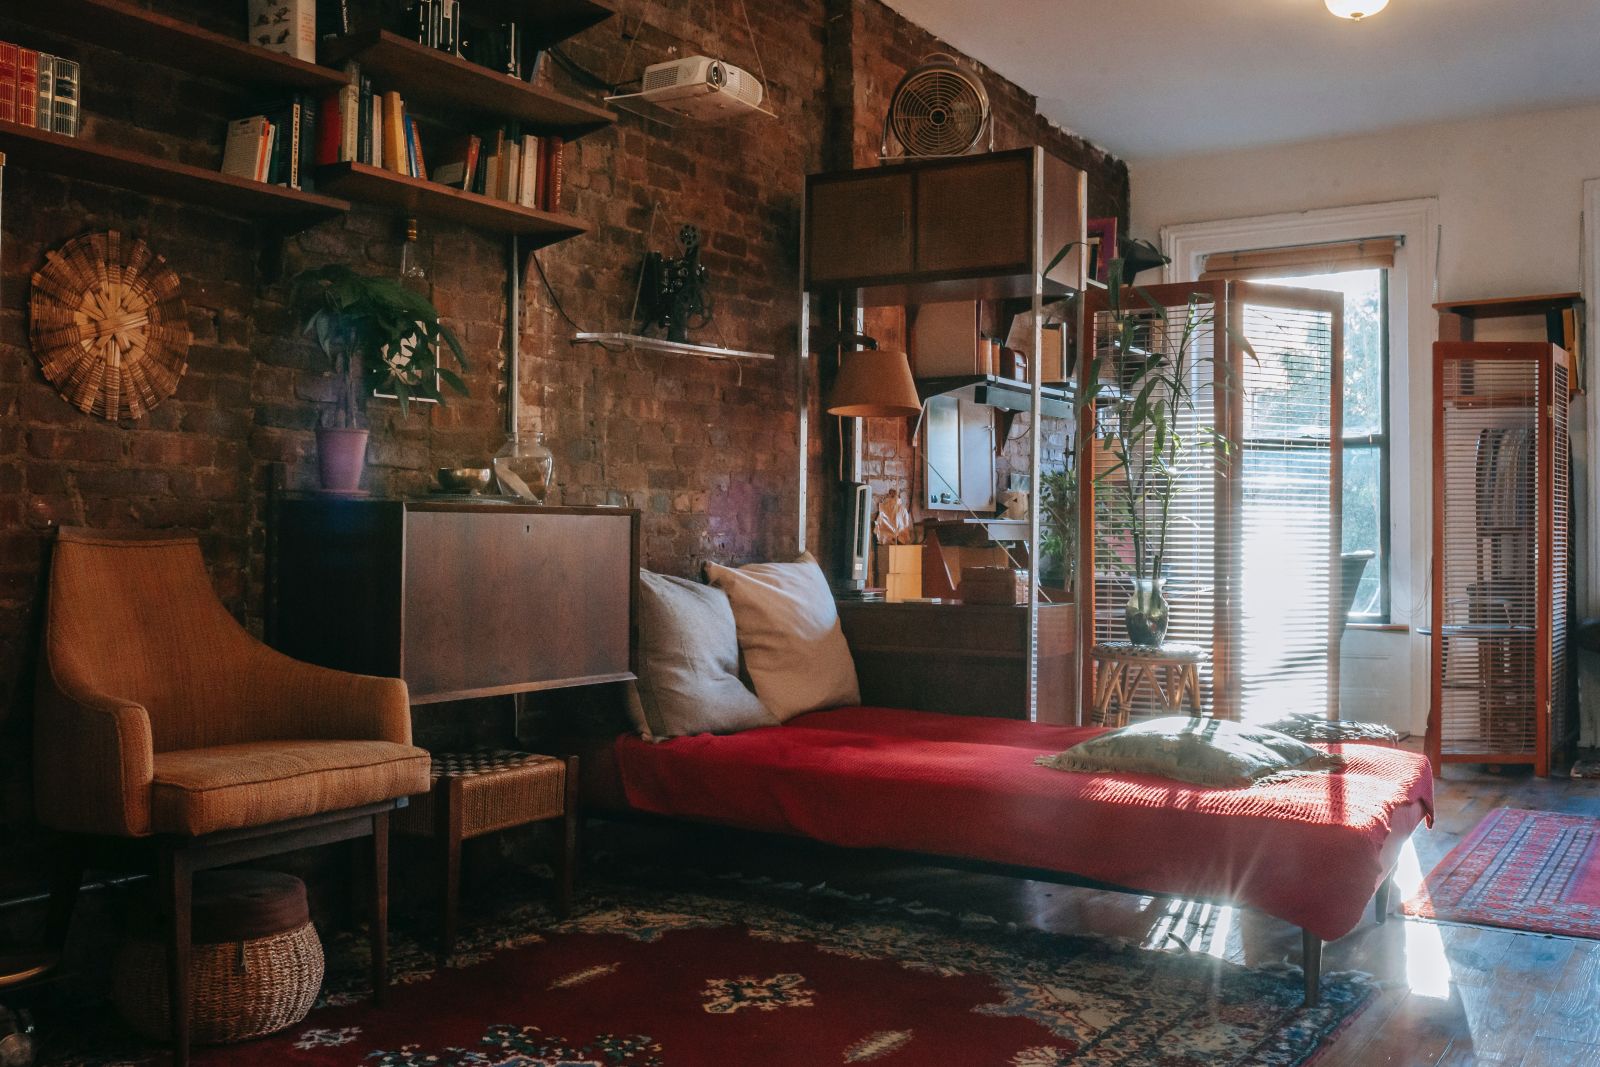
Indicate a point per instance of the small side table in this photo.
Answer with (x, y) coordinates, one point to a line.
(477, 793)
(1121, 667)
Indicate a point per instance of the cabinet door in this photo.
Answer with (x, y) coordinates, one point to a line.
(975, 216)
(514, 601)
(859, 227)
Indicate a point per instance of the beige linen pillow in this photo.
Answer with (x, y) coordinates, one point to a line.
(689, 662)
(794, 649)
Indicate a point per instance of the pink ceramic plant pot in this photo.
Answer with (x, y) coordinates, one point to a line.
(341, 455)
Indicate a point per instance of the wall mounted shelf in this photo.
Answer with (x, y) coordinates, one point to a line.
(545, 22)
(676, 348)
(414, 196)
(78, 157)
(445, 85)
(136, 31)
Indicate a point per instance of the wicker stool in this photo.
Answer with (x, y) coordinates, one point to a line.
(477, 793)
(1120, 667)
(255, 968)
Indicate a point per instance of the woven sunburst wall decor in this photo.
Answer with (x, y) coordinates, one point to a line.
(109, 325)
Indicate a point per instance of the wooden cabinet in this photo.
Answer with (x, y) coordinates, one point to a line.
(945, 229)
(461, 599)
(964, 659)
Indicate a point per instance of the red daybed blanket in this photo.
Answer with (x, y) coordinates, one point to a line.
(1311, 850)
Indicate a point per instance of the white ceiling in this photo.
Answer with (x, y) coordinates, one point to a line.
(1155, 78)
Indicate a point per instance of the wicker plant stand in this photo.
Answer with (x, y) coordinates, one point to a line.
(477, 793)
(255, 966)
(1121, 667)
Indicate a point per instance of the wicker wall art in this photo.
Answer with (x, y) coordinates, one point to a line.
(109, 325)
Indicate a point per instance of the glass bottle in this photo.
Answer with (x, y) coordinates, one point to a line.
(525, 467)
(413, 271)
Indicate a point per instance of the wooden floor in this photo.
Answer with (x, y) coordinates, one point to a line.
(1454, 995)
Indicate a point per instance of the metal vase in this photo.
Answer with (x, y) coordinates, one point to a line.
(1146, 613)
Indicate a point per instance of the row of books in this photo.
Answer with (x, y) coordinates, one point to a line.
(38, 89)
(361, 125)
(275, 146)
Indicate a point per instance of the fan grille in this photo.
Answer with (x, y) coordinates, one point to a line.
(938, 111)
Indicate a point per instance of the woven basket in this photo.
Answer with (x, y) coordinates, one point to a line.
(241, 989)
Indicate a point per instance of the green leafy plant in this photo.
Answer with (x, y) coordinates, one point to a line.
(376, 333)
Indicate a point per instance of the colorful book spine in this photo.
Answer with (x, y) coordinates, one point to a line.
(394, 133)
(8, 81)
(28, 87)
(555, 151)
(413, 149)
(330, 130)
(308, 141)
(377, 130)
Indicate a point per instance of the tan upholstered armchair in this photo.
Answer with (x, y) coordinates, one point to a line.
(159, 717)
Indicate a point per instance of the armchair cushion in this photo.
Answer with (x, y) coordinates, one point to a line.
(202, 790)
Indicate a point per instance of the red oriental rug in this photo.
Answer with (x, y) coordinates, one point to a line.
(772, 975)
(1525, 870)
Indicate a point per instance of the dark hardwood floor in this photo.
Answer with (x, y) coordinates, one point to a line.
(1453, 995)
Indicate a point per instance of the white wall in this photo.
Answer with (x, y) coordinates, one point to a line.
(1510, 191)
(1510, 194)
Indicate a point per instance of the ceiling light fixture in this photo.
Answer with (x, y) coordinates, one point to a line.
(1355, 10)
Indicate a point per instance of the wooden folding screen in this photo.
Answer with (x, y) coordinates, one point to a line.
(1271, 492)
(1501, 553)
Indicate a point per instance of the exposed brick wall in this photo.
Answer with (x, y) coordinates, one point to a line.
(707, 450)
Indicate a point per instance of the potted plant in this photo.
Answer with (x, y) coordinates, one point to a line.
(379, 336)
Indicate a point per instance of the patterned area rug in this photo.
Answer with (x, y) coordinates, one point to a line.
(1525, 870)
(743, 972)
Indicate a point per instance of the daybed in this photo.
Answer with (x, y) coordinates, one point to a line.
(1311, 850)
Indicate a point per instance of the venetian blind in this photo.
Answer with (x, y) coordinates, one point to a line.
(1369, 254)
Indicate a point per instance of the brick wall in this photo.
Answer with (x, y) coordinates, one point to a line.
(706, 449)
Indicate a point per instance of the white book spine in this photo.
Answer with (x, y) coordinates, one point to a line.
(45, 117)
(241, 154)
(287, 26)
(528, 193)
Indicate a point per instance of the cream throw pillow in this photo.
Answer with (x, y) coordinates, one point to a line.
(794, 649)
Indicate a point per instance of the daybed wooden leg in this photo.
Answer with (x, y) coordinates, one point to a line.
(1382, 899)
(177, 884)
(378, 917)
(449, 834)
(1311, 962)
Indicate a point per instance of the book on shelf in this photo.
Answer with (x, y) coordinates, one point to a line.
(364, 123)
(456, 161)
(64, 99)
(248, 151)
(27, 87)
(333, 18)
(551, 173)
(8, 81)
(284, 166)
(286, 26)
(419, 163)
(394, 134)
(45, 116)
(528, 179)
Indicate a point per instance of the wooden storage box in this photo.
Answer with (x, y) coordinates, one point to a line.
(993, 585)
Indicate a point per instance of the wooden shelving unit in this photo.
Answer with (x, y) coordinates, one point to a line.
(413, 196)
(77, 157)
(547, 21)
(135, 31)
(445, 85)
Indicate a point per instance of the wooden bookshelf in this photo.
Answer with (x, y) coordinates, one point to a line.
(545, 22)
(172, 42)
(413, 196)
(81, 158)
(450, 87)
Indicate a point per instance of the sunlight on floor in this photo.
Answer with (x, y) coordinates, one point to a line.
(1427, 966)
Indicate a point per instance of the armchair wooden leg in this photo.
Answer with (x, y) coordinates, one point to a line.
(379, 916)
(448, 831)
(1311, 962)
(65, 882)
(177, 884)
(567, 863)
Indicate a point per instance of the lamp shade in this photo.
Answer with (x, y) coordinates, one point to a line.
(874, 384)
(1356, 10)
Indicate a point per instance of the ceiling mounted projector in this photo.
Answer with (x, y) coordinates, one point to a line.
(700, 87)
